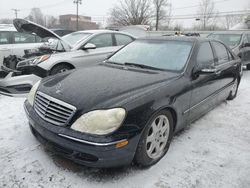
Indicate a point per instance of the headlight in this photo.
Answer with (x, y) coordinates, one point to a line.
(35, 61)
(100, 122)
(40, 59)
(32, 93)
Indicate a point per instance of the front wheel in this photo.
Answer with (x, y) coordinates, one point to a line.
(234, 90)
(155, 140)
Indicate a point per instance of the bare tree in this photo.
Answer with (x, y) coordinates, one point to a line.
(131, 12)
(36, 16)
(178, 26)
(168, 19)
(160, 7)
(231, 20)
(6, 21)
(50, 21)
(207, 13)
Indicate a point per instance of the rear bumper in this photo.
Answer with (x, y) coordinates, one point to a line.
(13, 85)
(93, 153)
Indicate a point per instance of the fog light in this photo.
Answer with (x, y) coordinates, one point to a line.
(121, 144)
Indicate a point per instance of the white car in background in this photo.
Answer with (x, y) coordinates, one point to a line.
(14, 43)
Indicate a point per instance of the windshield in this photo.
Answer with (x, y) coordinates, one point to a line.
(73, 38)
(165, 55)
(231, 40)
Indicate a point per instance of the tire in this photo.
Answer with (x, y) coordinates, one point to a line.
(234, 90)
(59, 69)
(248, 66)
(146, 153)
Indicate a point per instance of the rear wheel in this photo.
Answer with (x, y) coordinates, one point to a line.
(60, 68)
(234, 90)
(155, 140)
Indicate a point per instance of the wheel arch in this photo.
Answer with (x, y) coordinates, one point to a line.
(172, 111)
(174, 115)
(62, 63)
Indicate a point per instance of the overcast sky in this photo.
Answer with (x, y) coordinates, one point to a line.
(99, 9)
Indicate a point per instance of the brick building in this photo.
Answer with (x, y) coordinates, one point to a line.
(68, 21)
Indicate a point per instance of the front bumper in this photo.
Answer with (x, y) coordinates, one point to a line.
(88, 151)
(13, 85)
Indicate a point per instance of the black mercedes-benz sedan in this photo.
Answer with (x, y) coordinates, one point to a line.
(129, 107)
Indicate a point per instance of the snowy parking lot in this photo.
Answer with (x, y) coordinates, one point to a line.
(212, 152)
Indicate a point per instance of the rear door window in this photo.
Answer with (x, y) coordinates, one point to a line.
(205, 56)
(20, 38)
(103, 40)
(4, 37)
(221, 52)
(122, 39)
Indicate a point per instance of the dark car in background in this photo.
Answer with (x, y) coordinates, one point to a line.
(238, 41)
(129, 107)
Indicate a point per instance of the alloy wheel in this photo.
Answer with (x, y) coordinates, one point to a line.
(157, 137)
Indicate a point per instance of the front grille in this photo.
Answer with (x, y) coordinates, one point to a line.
(53, 110)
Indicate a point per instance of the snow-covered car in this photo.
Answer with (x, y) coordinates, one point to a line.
(129, 107)
(79, 49)
(13, 42)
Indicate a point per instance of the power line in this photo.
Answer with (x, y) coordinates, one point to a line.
(220, 14)
(197, 5)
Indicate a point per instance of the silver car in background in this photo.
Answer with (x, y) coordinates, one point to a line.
(87, 48)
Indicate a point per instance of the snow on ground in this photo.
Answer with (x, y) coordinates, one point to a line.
(213, 152)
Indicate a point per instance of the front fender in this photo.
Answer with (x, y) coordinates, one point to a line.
(51, 62)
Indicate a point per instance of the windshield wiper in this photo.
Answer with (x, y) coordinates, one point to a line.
(112, 62)
(141, 66)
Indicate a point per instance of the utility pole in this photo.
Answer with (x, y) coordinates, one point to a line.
(15, 11)
(77, 2)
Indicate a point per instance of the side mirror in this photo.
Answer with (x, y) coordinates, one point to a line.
(89, 46)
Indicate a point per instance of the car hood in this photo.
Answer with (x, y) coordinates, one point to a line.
(102, 86)
(26, 26)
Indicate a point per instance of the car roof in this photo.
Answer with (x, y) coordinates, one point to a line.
(176, 38)
(99, 31)
(231, 32)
